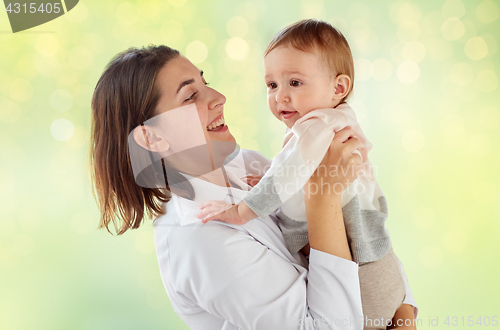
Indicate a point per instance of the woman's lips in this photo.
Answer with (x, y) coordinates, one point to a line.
(218, 121)
(222, 128)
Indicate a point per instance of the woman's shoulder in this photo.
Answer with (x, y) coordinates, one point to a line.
(253, 155)
(254, 162)
(193, 238)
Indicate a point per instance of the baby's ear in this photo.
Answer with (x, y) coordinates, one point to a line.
(149, 139)
(342, 85)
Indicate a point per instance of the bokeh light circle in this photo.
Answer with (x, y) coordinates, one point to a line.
(489, 117)
(453, 8)
(20, 90)
(408, 31)
(61, 100)
(237, 26)
(80, 57)
(413, 141)
(408, 72)
(127, 13)
(486, 81)
(62, 129)
(47, 45)
(476, 48)
(452, 29)
(462, 74)
(413, 51)
(487, 11)
(236, 48)
(10, 112)
(362, 67)
(381, 69)
(196, 51)
(177, 3)
(479, 144)
(172, 31)
(45, 64)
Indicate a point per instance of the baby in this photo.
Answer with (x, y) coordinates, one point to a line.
(309, 74)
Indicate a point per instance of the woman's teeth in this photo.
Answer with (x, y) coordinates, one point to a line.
(216, 124)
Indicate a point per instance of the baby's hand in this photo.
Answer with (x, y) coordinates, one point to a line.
(219, 210)
(251, 180)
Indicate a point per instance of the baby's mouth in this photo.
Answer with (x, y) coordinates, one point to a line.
(287, 114)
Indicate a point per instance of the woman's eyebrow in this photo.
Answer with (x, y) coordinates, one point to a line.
(187, 82)
(184, 83)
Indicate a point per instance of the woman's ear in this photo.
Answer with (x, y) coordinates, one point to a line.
(342, 85)
(146, 137)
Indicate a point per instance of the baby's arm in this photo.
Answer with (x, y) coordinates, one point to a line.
(218, 210)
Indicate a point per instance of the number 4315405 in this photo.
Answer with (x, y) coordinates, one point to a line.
(471, 321)
(48, 8)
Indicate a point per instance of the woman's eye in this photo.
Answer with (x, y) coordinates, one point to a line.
(295, 83)
(191, 97)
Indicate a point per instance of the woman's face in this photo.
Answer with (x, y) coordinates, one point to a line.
(181, 84)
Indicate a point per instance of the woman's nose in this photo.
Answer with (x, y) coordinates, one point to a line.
(216, 99)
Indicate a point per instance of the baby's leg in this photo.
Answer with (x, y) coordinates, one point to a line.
(382, 290)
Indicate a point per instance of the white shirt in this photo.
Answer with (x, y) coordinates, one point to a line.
(223, 276)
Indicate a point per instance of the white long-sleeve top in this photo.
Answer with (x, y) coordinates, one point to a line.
(223, 276)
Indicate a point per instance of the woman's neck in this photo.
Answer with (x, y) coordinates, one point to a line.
(217, 177)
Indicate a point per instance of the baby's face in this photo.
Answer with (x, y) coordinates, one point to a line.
(297, 83)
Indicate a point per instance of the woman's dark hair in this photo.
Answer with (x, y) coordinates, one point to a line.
(125, 96)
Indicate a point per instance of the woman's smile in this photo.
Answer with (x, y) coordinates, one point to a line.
(217, 124)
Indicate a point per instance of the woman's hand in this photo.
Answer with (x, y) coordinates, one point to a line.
(339, 168)
(404, 318)
(323, 191)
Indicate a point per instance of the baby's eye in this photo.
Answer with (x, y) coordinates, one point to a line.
(272, 85)
(295, 83)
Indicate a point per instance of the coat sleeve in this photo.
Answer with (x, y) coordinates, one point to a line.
(409, 299)
(236, 278)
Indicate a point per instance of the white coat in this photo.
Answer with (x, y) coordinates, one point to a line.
(220, 276)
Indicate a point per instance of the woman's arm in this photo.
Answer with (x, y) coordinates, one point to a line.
(404, 318)
(323, 193)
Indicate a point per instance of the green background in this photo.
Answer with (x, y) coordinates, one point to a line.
(426, 94)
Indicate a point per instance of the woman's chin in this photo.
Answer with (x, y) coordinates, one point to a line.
(222, 134)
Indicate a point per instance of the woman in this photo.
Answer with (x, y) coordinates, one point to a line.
(217, 275)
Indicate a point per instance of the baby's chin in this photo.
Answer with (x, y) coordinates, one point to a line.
(289, 124)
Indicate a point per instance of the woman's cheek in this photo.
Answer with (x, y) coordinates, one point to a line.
(203, 117)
